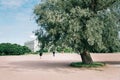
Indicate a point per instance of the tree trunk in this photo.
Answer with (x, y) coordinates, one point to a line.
(86, 58)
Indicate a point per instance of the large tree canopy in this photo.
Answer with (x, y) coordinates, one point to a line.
(84, 25)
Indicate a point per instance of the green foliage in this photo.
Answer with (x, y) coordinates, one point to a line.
(64, 49)
(83, 25)
(13, 49)
(42, 50)
(45, 50)
(68, 50)
(80, 64)
(26, 49)
(59, 49)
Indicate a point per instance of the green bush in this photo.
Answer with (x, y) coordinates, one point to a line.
(13, 49)
(60, 49)
(68, 50)
(80, 64)
(64, 49)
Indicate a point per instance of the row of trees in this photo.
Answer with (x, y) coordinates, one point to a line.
(83, 25)
(58, 49)
(13, 49)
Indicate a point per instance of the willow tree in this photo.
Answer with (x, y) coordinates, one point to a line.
(79, 24)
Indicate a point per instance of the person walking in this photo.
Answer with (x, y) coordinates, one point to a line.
(53, 53)
(40, 54)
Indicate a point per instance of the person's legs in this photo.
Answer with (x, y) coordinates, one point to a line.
(40, 55)
(53, 53)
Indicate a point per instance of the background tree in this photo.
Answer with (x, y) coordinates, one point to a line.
(78, 24)
(13, 49)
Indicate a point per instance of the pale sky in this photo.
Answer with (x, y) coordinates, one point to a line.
(16, 21)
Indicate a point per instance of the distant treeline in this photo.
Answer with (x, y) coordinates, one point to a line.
(13, 49)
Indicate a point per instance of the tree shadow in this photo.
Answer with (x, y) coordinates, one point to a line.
(47, 65)
(112, 62)
(41, 65)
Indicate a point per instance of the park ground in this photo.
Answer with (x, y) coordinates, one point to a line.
(31, 67)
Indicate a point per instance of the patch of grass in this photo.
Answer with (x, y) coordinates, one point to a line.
(80, 64)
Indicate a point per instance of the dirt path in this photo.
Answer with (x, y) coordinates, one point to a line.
(31, 67)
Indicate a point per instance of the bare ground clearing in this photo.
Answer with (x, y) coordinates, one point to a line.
(31, 67)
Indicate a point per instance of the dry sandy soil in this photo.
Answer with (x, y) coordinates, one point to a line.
(31, 67)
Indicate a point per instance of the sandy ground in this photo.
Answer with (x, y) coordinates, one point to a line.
(31, 67)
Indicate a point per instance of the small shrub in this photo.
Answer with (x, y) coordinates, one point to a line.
(80, 64)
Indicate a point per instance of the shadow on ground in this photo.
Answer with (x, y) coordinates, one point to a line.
(112, 62)
(41, 65)
(49, 65)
